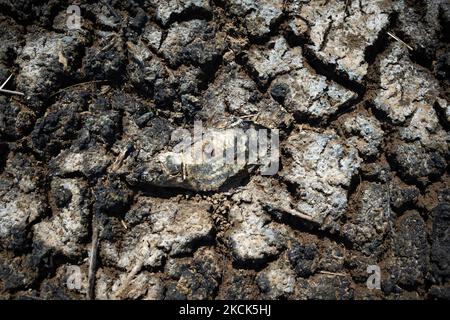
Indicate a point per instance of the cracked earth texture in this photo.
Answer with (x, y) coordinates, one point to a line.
(85, 178)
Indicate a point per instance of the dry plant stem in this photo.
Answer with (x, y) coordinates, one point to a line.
(9, 91)
(93, 260)
(400, 40)
(77, 85)
(134, 271)
(119, 160)
(333, 273)
(292, 212)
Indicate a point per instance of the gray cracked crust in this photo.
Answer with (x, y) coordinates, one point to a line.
(86, 154)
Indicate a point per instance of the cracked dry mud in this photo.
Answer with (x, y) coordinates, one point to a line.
(87, 159)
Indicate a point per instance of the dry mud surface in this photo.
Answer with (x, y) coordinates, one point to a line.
(91, 206)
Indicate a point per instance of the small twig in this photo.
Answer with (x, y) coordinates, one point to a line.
(6, 81)
(77, 85)
(130, 276)
(292, 212)
(184, 170)
(111, 9)
(108, 46)
(183, 167)
(9, 91)
(93, 259)
(119, 160)
(333, 273)
(248, 116)
(401, 41)
(389, 197)
(299, 214)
